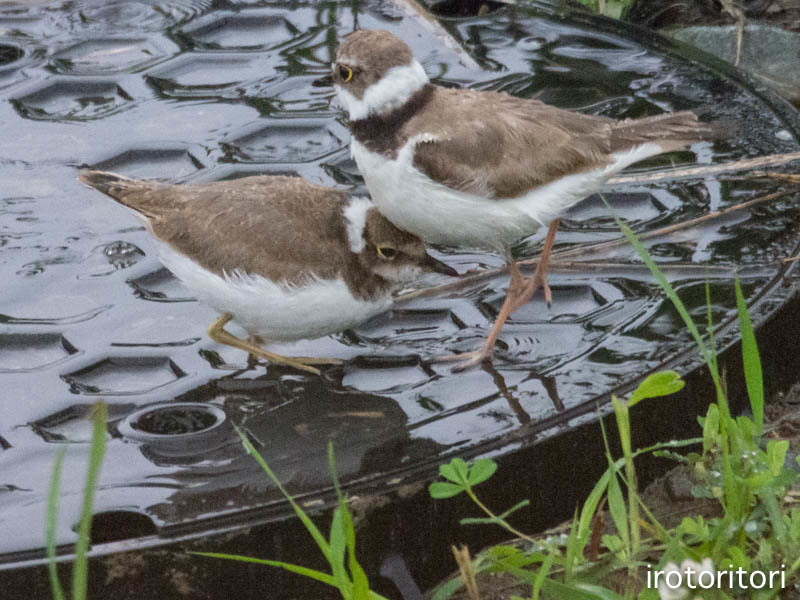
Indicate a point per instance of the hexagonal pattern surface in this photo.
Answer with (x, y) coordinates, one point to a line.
(167, 161)
(286, 141)
(32, 351)
(160, 286)
(123, 376)
(110, 55)
(202, 74)
(248, 29)
(68, 99)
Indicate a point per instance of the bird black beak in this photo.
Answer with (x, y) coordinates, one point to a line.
(438, 266)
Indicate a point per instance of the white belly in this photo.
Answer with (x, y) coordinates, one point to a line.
(273, 311)
(442, 215)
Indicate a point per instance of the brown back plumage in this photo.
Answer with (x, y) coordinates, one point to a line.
(282, 228)
(495, 145)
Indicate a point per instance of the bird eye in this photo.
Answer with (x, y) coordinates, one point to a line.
(346, 73)
(386, 252)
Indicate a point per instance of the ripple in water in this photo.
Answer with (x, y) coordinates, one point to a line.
(147, 15)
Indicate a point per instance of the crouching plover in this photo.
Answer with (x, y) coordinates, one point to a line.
(283, 258)
(480, 168)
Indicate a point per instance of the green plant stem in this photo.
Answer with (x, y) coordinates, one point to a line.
(502, 522)
(793, 568)
(80, 568)
(624, 428)
(789, 574)
(708, 357)
(50, 529)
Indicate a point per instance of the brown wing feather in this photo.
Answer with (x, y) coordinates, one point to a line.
(283, 228)
(278, 227)
(507, 146)
(502, 146)
(673, 130)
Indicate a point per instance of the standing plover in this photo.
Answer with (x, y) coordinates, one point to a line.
(283, 258)
(480, 168)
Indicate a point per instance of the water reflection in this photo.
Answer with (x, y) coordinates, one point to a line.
(188, 91)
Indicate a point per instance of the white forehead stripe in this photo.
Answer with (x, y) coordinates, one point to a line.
(391, 91)
(355, 216)
(350, 62)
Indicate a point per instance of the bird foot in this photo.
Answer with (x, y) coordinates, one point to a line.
(467, 360)
(218, 333)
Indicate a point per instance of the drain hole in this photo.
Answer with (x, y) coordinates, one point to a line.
(179, 430)
(175, 421)
(465, 8)
(116, 525)
(9, 54)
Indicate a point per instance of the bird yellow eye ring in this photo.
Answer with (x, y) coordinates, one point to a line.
(346, 73)
(386, 252)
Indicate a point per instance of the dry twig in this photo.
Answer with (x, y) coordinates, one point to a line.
(738, 165)
(467, 570)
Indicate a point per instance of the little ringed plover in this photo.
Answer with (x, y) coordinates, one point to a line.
(283, 258)
(481, 168)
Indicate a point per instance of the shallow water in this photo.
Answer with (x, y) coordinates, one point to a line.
(184, 92)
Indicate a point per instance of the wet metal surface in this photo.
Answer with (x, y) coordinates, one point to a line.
(180, 91)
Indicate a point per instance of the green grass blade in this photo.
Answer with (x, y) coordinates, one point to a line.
(665, 285)
(616, 506)
(731, 498)
(710, 324)
(540, 576)
(555, 589)
(50, 527)
(304, 571)
(573, 550)
(622, 414)
(80, 569)
(320, 540)
(338, 549)
(360, 584)
(752, 361)
(776, 517)
(589, 508)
